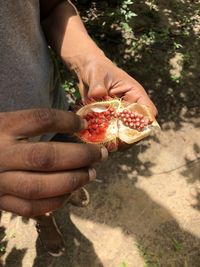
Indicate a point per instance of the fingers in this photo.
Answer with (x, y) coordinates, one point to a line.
(145, 100)
(33, 122)
(50, 156)
(31, 208)
(34, 185)
(133, 92)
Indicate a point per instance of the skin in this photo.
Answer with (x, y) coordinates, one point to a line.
(30, 171)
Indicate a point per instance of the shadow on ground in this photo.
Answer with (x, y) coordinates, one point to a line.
(119, 203)
(161, 52)
(164, 57)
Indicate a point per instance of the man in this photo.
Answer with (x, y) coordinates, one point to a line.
(37, 177)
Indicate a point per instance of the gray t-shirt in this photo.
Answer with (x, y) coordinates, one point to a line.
(27, 73)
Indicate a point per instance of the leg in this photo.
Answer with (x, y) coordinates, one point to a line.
(50, 235)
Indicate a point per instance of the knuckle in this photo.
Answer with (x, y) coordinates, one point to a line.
(42, 156)
(30, 189)
(45, 117)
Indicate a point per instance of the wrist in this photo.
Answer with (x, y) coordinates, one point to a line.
(84, 57)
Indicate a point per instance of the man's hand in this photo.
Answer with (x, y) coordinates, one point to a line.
(100, 78)
(35, 178)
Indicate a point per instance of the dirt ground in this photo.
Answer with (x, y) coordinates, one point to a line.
(146, 209)
(145, 212)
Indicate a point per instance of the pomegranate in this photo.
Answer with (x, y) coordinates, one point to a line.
(111, 123)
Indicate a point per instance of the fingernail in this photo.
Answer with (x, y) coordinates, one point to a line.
(84, 124)
(104, 153)
(92, 174)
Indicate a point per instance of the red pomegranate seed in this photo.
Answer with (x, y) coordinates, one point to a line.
(91, 115)
(97, 131)
(100, 121)
(94, 126)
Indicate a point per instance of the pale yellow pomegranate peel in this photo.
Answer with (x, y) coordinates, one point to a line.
(111, 122)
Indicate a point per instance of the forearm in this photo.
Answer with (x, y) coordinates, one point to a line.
(68, 37)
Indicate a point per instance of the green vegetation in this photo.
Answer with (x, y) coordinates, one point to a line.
(123, 264)
(142, 37)
(150, 259)
(177, 246)
(2, 249)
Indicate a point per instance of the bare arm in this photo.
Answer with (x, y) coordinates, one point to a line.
(98, 76)
(67, 35)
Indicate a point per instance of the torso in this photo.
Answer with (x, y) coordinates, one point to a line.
(26, 69)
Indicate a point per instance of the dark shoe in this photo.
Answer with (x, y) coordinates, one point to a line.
(50, 235)
(79, 198)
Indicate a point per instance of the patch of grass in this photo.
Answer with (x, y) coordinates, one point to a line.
(123, 264)
(177, 246)
(2, 249)
(150, 259)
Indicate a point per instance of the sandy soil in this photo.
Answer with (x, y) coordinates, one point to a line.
(148, 200)
(146, 210)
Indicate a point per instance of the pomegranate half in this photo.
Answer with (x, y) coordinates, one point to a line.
(112, 123)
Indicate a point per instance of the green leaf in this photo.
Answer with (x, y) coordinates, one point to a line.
(123, 264)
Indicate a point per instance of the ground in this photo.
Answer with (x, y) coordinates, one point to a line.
(145, 211)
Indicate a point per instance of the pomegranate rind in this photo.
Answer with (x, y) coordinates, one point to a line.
(98, 107)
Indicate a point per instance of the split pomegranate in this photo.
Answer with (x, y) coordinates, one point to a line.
(110, 123)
